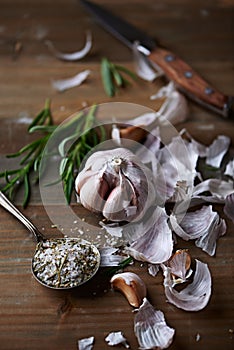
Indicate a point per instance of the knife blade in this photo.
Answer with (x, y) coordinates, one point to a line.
(185, 77)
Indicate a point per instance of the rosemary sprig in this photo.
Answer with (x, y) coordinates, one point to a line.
(78, 136)
(30, 156)
(112, 270)
(87, 135)
(113, 78)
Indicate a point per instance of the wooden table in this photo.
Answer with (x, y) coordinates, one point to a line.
(31, 316)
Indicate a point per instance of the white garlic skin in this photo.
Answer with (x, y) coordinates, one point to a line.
(116, 184)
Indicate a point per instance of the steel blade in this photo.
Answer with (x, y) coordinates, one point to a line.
(121, 29)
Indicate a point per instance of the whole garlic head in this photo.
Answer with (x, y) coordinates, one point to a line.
(115, 183)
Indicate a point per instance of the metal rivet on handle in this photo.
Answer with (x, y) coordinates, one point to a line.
(208, 90)
(169, 58)
(188, 74)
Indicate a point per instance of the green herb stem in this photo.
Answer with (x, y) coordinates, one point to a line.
(82, 134)
(112, 76)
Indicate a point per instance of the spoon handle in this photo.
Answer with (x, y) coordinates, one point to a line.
(4, 201)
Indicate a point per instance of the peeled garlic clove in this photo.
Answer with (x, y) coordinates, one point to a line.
(131, 286)
(92, 193)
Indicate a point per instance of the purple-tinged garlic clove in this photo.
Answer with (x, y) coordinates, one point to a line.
(131, 286)
(119, 201)
(93, 192)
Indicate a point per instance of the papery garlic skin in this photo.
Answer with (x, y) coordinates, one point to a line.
(196, 295)
(151, 328)
(86, 343)
(117, 338)
(116, 184)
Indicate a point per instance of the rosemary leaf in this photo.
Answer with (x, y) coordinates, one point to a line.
(106, 74)
(117, 77)
(31, 159)
(126, 71)
(112, 77)
(29, 147)
(111, 271)
(43, 117)
(43, 128)
(26, 190)
(78, 136)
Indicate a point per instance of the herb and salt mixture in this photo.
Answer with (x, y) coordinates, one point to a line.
(64, 264)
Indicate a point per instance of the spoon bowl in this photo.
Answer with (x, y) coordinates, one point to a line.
(59, 263)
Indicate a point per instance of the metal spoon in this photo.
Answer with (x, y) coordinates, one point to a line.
(61, 263)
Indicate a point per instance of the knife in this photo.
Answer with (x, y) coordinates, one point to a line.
(186, 79)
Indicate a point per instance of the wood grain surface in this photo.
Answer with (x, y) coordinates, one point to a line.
(31, 316)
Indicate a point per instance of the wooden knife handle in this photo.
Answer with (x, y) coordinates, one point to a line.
(189, 81)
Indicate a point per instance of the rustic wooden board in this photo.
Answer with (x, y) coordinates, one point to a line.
(32, 317)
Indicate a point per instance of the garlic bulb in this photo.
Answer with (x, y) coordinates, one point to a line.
(115, 183)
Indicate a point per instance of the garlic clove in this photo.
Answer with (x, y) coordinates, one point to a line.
(134, 132)
(82, 178)
(131, 286)
(92, 193)
(119, 201)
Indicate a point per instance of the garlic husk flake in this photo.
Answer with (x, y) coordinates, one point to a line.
(86, 343)
(219, 190)
(196, 295)
(217, 150)
(117, 338)
(151, 329)
(68, 83)
(204, 225)
(174, 108)
(229, 170)
(155, 245)
(229, 206)
(74, 56)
